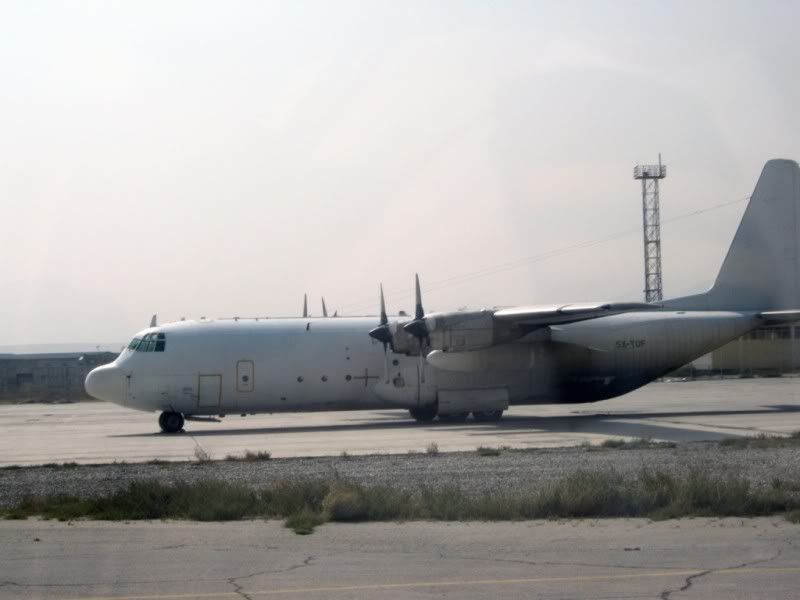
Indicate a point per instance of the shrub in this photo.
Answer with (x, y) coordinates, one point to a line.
(345, 502)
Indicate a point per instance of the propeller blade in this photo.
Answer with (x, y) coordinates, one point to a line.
(384, 318)
(305, 306)
(418, 312)
(383, 334)
(324, 308)
(418, 328)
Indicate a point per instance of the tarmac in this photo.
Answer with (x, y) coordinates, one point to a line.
(97, 432)
(631, 558)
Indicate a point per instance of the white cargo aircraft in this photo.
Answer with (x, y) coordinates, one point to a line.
(456, 363)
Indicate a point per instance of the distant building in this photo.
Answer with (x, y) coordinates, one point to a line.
(56, 377)
(762, 351)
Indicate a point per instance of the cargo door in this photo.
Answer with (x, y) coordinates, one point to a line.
(209, 390)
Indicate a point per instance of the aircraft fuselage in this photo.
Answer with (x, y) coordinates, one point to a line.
(271, 365)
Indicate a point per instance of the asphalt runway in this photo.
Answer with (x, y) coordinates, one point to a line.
(630, 558)
(95, 432)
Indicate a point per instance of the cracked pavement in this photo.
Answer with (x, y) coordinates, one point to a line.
(631, 558)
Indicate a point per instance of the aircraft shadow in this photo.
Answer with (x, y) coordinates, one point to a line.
(605, 423)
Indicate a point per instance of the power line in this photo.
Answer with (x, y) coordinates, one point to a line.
(520, 262)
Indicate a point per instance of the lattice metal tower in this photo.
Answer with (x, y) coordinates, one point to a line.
(651, 223)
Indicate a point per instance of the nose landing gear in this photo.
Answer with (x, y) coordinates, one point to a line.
(170, 422)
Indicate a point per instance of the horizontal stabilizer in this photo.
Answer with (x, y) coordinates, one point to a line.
(775, 317)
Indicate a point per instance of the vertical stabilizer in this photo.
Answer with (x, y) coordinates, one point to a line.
(761, 271)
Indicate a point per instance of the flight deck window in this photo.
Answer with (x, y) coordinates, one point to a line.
(151, 342)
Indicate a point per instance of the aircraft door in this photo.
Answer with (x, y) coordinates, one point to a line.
(209, 391)
(245, 373)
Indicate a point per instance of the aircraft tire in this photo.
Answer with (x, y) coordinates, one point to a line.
(489, 416)
(170, 422)
(423, 414)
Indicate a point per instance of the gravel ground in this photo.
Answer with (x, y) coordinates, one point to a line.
(512, 470)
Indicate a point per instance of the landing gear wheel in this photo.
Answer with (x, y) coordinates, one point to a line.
(170, 422)
(455, 418)
(487, 416)
(423, 414)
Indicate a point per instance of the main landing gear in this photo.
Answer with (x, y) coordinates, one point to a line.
(423, 414)
(488, 416)
(426, 414)
(170, 422)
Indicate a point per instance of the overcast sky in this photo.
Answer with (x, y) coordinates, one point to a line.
(222, 158)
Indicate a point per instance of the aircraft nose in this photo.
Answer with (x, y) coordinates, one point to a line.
(106, 383)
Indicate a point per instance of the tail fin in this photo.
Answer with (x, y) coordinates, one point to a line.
(762, 269)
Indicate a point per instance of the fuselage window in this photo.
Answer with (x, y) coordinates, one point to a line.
(161, 342)
(134, 345)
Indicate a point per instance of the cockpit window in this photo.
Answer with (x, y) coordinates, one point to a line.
(151, 342)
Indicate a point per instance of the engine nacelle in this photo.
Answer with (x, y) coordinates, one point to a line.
(497, 358)
(463, 331)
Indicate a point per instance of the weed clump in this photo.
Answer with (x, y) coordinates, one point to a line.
(304, 521)
(432, 449)
(201, 456)
(488, 451)
(250, 456)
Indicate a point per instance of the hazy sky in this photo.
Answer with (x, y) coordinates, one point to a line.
(222, 158)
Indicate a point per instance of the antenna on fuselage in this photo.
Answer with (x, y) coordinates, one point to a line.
(154, 321)
(305, 306)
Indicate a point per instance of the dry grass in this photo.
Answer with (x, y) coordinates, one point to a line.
(250, 456)
(304, 504)
(432, 449)
(762, 441)
(635, 444)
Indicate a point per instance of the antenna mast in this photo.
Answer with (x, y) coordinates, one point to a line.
(651, 223)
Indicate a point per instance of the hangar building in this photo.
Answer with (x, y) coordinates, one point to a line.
(56, 377)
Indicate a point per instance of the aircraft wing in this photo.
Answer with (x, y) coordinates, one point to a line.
(462, 331)
(541, 316)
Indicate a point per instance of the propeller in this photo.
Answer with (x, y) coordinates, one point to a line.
(305, 306)
(383, 334)
(324, 308)
(418, 327)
